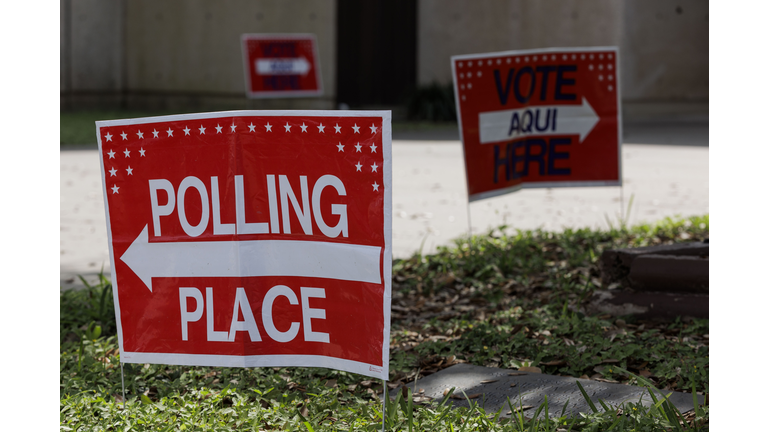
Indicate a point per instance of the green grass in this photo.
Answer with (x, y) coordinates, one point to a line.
(79, 127)
(512, 299)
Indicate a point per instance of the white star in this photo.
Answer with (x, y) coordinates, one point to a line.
(140, 134)
(373, 129)
(170, 132)
(108, 137)
(358, 148)
(154, 133)
(356, 128)
(233, 127)
(341, 147)
(303, 127)
(112, 172)
(287, 127)
(338, 128)
(111, 154)
(218, 129)
(252, 128)
(130, 170)
(375, 186)
(202, 130)
(124, 135)
(359, 166)
(321, 128)
(186, 130)
(115, 189)
(141, 152)
(127, 153)
(374, 167)
(268, 126)
(373, 148)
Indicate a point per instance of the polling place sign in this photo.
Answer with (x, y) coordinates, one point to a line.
(539, 118)
(281, 65)
(251, 238)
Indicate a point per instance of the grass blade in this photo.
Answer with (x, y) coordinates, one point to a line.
(586, 397)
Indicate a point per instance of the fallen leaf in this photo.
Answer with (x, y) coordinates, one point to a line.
(461, 396)
(488, 381)
(351, 387)
(303, 410)
(366, 383)
(531, 369)
(554, 363)
(521, 408)
(610, 360)
(645, 373)
(606, 380)
(516, 374)
(330, 383)
(513, 384)
(118, 398)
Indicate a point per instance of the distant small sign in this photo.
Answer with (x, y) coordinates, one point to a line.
(281, 65)
(539, 118)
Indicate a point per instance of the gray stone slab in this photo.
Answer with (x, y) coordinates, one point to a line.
(530, 389)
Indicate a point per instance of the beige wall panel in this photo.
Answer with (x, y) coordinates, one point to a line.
(451, 27)
(193, 46)
(96, 41)
(667, 50)
(64, 45)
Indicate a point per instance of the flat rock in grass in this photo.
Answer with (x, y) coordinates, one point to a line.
(495, 386)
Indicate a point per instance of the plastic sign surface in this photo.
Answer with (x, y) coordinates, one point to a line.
(251, 238)
(539, 118)
(281, 65)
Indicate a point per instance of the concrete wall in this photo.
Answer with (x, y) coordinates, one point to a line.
(664, 45)
(665, 50)
(451, 27)
(91, 46)
(183, 54)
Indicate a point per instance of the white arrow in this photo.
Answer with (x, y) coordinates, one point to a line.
(252, 258)
(538, 120)
(282, 66)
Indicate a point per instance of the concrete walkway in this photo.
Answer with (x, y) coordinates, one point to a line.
(666, 169)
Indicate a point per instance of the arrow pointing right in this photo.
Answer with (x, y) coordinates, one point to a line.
(538, 120)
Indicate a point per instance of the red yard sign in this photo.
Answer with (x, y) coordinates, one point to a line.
(539, 118)
(281, 65)
(251, 238)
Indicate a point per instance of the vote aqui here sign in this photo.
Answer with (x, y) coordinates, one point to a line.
(281, 65)
(539, 118)
(251, 238)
